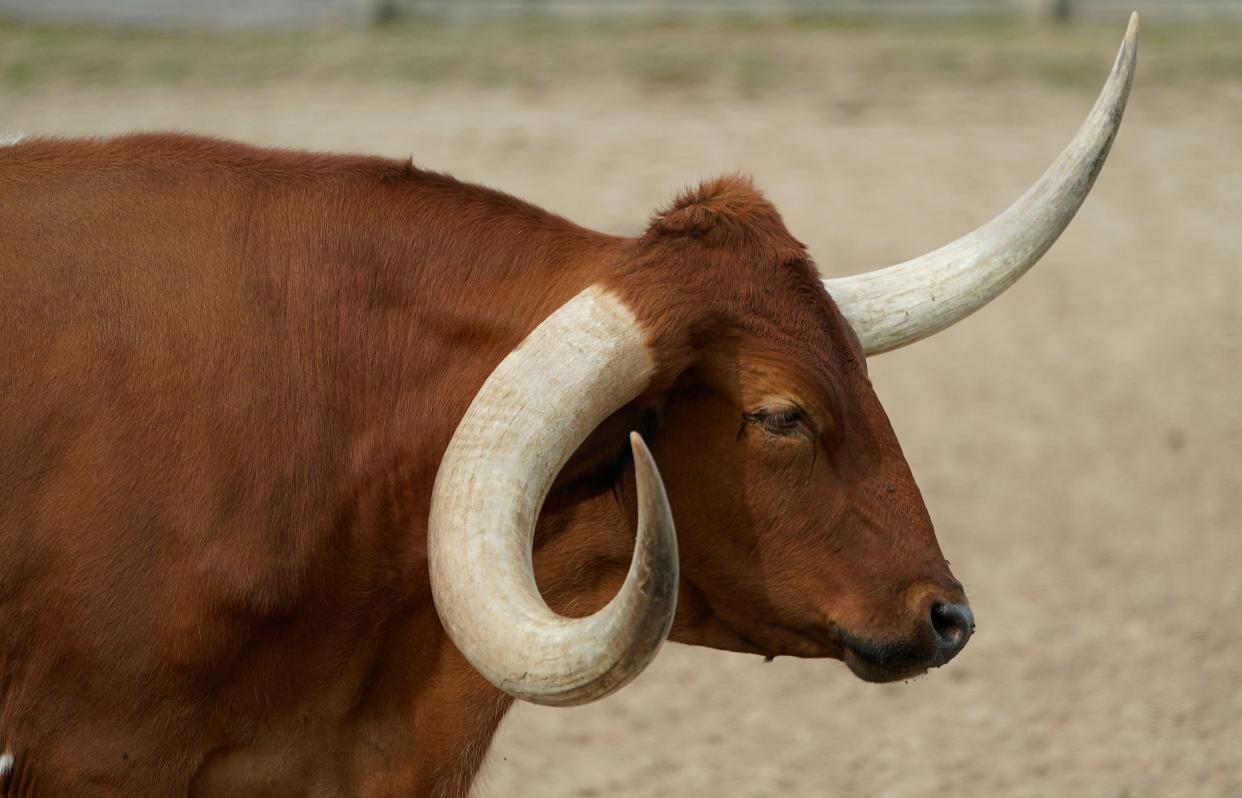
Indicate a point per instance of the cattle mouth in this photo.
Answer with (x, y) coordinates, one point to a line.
(891, 660)
(876, 661)
(871, 661)
(890, 664)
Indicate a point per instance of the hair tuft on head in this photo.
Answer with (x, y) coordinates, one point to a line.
(726, 200)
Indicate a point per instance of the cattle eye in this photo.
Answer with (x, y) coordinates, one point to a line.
(779, 421)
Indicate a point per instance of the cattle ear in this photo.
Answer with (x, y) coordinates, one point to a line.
(689, 220)
(699, 211)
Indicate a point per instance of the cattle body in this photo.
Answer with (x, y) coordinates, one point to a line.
(232, 376)
(280, 432)
(229, 377)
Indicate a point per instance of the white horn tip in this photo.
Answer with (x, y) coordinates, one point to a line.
(653, 499)
(645, 471)
(1129, 44)
(1127, 55)
(639, 447)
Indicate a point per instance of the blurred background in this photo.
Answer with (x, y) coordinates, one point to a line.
(1078, 441)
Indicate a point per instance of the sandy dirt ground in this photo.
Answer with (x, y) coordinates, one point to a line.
(1078, 441)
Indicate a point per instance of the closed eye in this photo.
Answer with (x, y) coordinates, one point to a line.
(780, 421)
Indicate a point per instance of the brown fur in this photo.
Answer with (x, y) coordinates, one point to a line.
(229, 375)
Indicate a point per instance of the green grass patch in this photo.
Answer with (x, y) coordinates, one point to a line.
(743, 57)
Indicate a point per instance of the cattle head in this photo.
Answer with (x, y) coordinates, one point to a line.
(801, 529)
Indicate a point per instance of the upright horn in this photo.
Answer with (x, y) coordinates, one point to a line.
(889, 308)
(576, 368)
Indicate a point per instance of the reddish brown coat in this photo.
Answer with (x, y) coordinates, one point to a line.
(228, 377)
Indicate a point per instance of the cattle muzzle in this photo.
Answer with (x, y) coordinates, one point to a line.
(939, 636)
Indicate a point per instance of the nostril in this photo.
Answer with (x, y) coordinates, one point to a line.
(953, 624)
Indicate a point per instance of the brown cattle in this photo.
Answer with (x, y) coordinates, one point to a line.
(277, 431)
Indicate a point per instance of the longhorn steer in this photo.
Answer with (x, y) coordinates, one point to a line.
(232, 375)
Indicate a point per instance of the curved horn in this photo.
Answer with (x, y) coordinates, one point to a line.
(892, 307)
(581, 364)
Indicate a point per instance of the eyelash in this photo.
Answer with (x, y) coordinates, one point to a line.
(786, 421)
